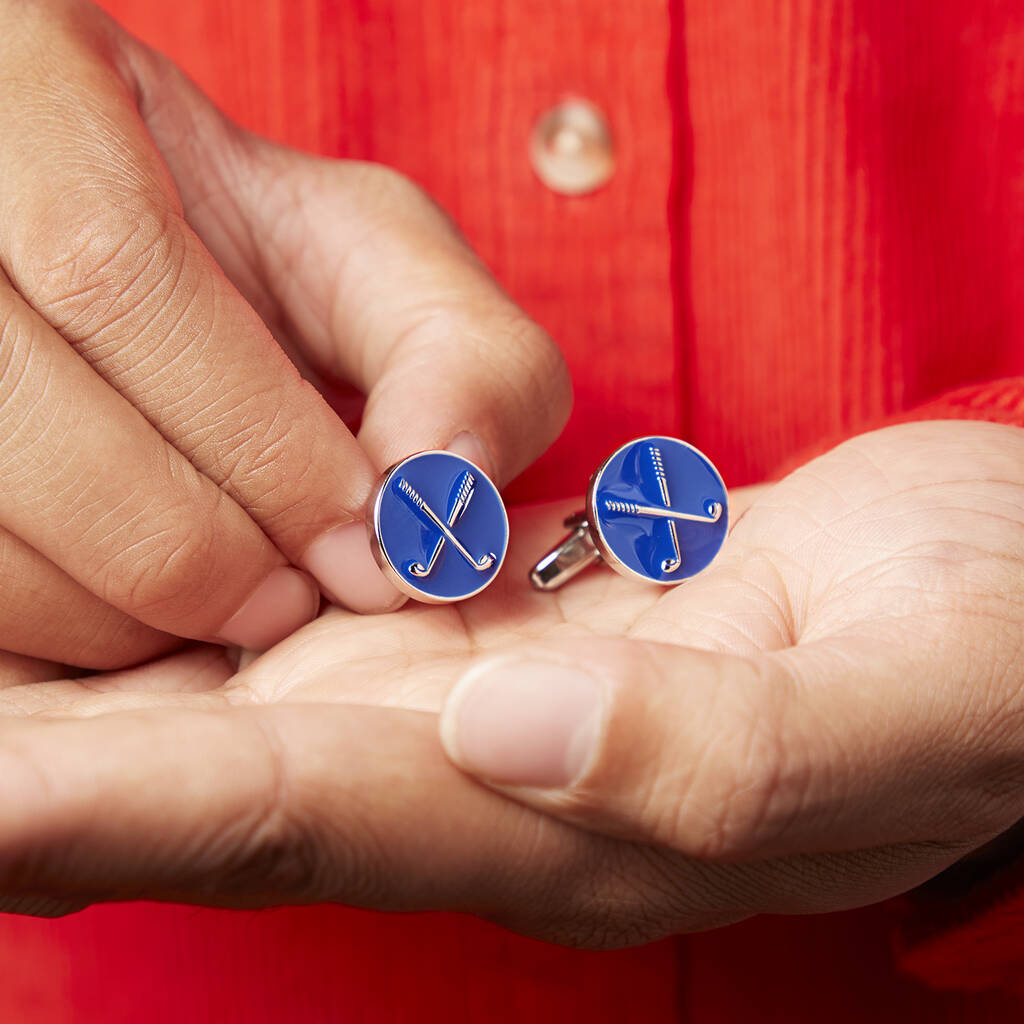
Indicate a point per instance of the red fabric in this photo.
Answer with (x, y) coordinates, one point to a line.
(973, 943)
(814, 226)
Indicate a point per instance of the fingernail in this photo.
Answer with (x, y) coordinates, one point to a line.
(469, 446)
(523, 723)
(284, 601)
(344, 566)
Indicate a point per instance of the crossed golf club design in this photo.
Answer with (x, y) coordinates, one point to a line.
(464, 487)
(632, 508)
(459, 497)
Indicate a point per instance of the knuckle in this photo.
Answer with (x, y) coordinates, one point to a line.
(277, 851)
(618, 909)
(612, 895)
(166, 569)
(513, 363)
(386, 187)
(270, 456)
(93, 265)
(384, 198)
(167, 572)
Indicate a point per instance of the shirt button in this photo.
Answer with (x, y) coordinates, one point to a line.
(571, 148)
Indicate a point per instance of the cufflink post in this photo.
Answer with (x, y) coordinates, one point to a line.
(573, 553)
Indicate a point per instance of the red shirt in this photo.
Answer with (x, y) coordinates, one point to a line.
(814, 226)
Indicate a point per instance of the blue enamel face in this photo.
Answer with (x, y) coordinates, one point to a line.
(440, 527)
(659, 508)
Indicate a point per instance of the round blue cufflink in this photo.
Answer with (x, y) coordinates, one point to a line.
(656, 510)
(438, 527)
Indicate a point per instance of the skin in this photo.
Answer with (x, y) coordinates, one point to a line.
(175, 294)
(826, 717)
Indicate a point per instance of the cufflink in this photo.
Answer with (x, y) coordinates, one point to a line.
(438, 527)
(656, 510)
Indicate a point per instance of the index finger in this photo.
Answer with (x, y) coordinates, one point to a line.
(380, 288)
(100, 248)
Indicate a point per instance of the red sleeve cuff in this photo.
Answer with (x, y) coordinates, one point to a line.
(998, 401)
(964, 930)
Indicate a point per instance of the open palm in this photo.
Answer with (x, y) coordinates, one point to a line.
(826, 717)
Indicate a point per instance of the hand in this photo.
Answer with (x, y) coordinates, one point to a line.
(162, 461)
(826, 717)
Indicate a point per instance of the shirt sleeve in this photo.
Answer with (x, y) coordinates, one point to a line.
(964, 929)
(999, 401)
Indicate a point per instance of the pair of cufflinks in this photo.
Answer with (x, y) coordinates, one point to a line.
(656, 510)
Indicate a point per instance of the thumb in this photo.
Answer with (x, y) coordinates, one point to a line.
(606, 735)
(717, 756)
(384, 293)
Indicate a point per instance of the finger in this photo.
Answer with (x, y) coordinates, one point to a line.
(92, 234)
(823, 747)
(263, 806)
(199, 668)
(21, 670)
(170, 681)
(380, 287)
(356, 805)
(44, 613)
(34, 686)
(416, 321)
(92, 487)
